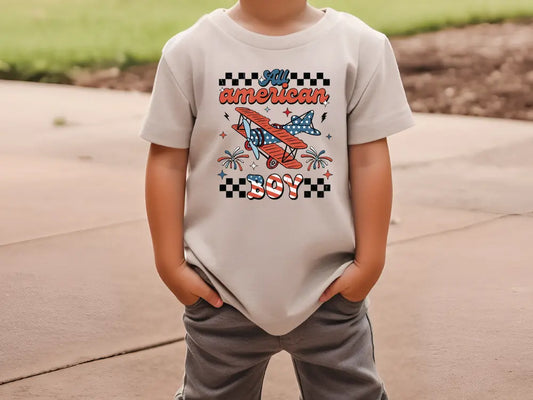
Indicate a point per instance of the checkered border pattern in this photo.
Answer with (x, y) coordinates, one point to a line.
(320, 188)
(229, 187)
(305, 79)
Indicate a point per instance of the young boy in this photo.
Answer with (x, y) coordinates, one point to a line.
(268, 194)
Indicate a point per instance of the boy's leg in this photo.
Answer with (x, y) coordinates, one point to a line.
(226, 356)
(333, 353)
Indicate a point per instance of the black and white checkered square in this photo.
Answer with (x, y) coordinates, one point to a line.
(302, 79)
(309, 79)
(320, 188)
(229, 187)
(238, 79)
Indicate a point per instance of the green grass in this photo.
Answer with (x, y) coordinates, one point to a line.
(44, 39)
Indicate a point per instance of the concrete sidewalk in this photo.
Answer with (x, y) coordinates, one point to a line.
(85, 316)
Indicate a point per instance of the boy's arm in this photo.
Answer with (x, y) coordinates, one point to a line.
(371, 194)
(166, 171)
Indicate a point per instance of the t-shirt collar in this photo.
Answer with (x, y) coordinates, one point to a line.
(224, 22)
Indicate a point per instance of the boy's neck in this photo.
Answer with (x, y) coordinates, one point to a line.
(274, 17)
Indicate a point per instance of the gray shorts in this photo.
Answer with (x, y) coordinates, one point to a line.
(227, 355)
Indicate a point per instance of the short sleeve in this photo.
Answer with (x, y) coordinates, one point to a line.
(169, 120)
(379, 105)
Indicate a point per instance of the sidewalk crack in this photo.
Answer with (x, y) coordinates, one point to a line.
(117, 354)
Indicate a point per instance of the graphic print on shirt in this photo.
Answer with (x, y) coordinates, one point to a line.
(271, 143)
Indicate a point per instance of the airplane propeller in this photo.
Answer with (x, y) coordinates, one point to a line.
(249, 137)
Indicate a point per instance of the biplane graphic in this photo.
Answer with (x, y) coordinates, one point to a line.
(265, 138)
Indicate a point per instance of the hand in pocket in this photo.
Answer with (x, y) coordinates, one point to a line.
(188, 286)
(354, 284)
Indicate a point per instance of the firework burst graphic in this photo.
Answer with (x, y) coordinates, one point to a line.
(233, 160)
(316, 159)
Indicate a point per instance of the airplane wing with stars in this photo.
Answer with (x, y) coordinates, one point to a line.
(274, 151)
(264, 122)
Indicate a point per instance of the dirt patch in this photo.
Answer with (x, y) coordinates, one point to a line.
(483, 70)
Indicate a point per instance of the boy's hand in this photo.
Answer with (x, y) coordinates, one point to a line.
(354, 284)
(191, 287)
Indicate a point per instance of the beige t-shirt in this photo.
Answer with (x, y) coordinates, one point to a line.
(268, 120)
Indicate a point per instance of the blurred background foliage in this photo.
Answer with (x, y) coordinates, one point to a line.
(41, 40)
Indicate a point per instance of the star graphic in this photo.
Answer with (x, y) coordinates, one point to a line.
(221, 89)
(261, 79)
(222, 174)
(325, 102)
(253, 165)
(223, 135)
(329, 136)
(267, 109)
(327, 174)
(287, 112)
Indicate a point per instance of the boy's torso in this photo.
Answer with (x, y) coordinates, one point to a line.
(268, 214)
